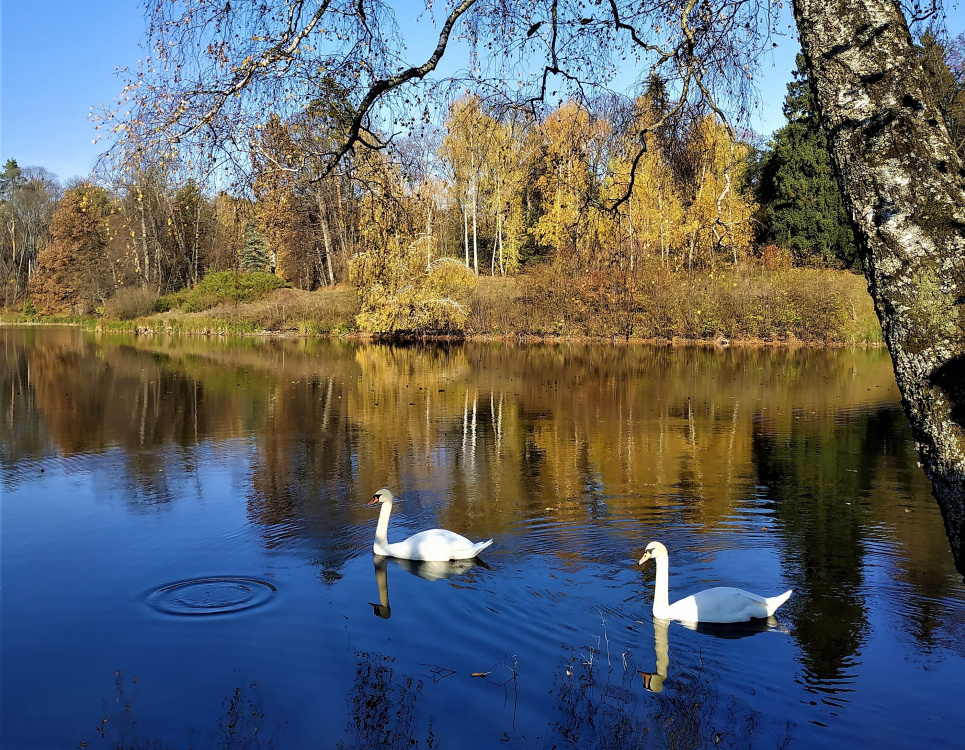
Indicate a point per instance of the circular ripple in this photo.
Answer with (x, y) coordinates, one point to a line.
(211, 596)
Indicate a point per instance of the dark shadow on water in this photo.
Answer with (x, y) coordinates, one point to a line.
(436, 571)
(735, 630)
(603, 701)
(654, 681)
(384, 710)
(243, 724)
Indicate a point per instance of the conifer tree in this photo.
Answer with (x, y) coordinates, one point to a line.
(254, 253)
(797, 188)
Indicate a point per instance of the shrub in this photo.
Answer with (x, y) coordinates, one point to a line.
(224, 287)
(399, 296)
(805, 305)
(776, 258)
(411, 310)
(129, 303)
(494, 308)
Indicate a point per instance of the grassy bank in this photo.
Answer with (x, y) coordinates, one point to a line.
(801, 306)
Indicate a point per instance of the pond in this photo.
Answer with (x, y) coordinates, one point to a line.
(187, 550)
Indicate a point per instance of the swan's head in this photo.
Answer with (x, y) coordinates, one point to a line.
(382, 496)
(652, 552)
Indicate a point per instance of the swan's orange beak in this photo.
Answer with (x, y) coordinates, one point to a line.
(373, 501)
(646, 556)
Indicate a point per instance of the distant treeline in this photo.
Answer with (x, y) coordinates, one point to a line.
(490, 193)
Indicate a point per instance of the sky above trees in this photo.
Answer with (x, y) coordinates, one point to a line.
(59, 59)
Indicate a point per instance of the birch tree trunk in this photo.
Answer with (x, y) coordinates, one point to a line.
(465, 230)
(904, 189)
(327, 241)
(475, 238)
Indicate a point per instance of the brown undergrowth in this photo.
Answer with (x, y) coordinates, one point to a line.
(752, 304)
(816, 306)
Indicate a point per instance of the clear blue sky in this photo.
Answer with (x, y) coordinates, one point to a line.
(59, 58)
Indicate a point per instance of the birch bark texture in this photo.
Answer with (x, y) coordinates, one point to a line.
(904, 189)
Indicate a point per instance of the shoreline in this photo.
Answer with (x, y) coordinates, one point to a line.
(113, 326)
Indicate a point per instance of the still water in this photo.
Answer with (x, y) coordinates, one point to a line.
(187, 555)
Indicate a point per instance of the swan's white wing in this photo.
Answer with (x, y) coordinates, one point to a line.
(721, 604)
(436, 545)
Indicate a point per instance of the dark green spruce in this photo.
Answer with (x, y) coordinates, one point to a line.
(797, 190)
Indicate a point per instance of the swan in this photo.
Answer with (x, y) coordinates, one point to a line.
(720, 604)
(434, 545)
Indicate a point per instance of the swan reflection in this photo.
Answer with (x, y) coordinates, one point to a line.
(429, 570)
(653, 681)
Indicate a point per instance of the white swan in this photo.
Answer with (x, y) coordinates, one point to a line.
(434, 545)
(721, 604)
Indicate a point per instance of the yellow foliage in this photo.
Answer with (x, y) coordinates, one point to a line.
(571, 223)
(398, 295)
(718, 219)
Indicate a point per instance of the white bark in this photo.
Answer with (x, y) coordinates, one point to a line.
(904, 187)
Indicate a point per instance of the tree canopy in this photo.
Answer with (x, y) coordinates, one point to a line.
(217, 71)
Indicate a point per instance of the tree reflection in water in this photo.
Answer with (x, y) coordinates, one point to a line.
(241, 726)
(566, 448)
(384, 711)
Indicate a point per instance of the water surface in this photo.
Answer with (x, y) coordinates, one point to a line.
(186, 550)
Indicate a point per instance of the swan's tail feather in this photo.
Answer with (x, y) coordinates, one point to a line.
(481, 546)
(470, 553)
(773, 602)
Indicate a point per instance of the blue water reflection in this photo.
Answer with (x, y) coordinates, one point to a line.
(128, 466)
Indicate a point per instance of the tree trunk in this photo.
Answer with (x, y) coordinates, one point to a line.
(499, 230)
(327, 240)
(465, 230)
(475, 238)
(904, 189)
(428, 237)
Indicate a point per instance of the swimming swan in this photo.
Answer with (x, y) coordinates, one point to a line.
(434, 545)
(721, 604)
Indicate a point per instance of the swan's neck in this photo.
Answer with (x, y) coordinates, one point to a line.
(661, 593)
(382, 530)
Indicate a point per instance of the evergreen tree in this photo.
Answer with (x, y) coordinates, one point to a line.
(254, 253)
(797, 189)
(10, 178)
